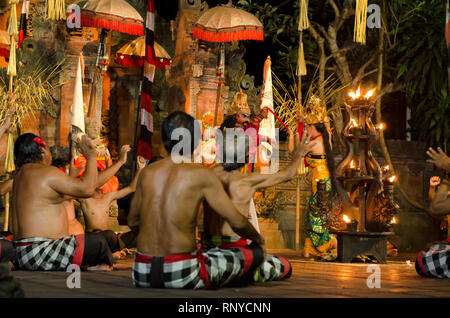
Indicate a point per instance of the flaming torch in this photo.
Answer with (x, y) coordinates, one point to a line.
(351, 224)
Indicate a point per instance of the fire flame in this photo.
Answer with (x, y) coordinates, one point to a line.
(386, 167)
(394, 220)
(392, 179)
(353, 122)
(380, 126)
(369, 94)
(356, 95)
(346, 218)
(352, 164)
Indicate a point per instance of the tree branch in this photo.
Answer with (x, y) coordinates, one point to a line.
(362, 69)
(337, 13)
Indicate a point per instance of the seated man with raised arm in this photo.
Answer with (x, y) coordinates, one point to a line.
(164, 210)
(241, 188)
(42, 238)
(434, 261)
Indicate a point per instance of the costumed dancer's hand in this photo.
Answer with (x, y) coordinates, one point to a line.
(435, 181)
(303, 147)
(439, 158)
(86, 147)
(291, 141)
(141, 162)
(300, 118)
(123, 153)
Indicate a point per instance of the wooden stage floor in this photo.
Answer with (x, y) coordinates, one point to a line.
(309, 279)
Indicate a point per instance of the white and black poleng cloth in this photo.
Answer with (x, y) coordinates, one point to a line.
(45, 254)
(434, 261)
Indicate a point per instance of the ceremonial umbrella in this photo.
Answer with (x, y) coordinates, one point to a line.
(133, 54)
(115, 15)
(226, 24)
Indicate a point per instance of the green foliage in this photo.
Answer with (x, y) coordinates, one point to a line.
(422, 65)
(416, 59)
(281, 28)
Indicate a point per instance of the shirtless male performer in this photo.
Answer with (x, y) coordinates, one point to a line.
(241, 188)
(42, 239)
(164, 210)
(96, 212)
(96, 224)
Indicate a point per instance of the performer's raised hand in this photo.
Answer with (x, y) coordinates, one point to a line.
(86, 147)
(435, 181)
(300, 117)
(141, 163)
(123, 153)
(303, 147)
(439, 158)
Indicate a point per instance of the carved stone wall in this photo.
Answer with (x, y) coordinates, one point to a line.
(192, 78)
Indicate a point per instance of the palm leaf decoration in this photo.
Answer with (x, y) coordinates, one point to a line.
(31, 92)
(287, 104)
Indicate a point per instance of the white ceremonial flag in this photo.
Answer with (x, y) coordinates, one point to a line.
(267, 125)
(77, 105)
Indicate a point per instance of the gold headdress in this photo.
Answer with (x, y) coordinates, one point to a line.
(316, 111)
(239, 105)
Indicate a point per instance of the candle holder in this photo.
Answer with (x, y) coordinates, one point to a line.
(355, 172)
(352, 226)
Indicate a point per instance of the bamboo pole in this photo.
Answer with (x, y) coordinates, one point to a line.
(7, 208)
(298, 212)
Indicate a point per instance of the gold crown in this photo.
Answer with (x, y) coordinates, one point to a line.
(239, 104)
(316, 111)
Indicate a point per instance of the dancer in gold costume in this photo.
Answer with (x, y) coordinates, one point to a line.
(319, 242)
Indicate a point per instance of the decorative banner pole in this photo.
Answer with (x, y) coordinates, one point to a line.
(12, 71)
(303, 24)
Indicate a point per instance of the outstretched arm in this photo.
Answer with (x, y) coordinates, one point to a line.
(115, 195)
(107, 174)
(80, 188)
(219, 201)
(257, 180)
(440, 205)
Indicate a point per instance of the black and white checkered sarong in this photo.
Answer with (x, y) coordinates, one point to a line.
(39, 253)
(434, 261)
(211, 269)
(273, 267)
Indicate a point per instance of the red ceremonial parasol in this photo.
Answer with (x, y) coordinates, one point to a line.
(226, 23)
(133, 54)
(115, 15)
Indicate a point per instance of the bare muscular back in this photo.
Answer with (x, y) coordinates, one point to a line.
(35, 204)
(240, 194)
(168, 215)
(166, 202)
